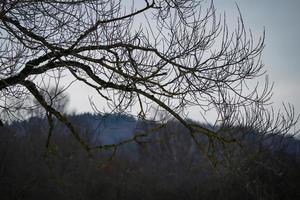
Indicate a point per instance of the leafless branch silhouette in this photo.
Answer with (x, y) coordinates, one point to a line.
(174, 55)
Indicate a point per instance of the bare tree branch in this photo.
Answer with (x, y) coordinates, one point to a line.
(183, 58)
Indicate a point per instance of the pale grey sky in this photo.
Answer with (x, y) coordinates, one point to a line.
(280, 19)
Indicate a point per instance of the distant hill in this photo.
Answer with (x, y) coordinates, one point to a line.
(113, 128)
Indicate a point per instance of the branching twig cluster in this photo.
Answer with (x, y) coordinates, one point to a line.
(180, 57)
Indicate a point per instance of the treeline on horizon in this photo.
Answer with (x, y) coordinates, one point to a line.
(164, 165)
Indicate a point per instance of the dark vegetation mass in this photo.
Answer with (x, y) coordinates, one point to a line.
(165, 165)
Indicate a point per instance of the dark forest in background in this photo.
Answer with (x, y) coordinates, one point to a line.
(165, 165)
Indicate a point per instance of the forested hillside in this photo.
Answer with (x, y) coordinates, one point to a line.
(166, 164)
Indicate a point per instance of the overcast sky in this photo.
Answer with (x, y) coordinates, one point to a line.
(280, 19)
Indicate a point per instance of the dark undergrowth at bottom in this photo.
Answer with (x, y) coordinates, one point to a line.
(168, 167)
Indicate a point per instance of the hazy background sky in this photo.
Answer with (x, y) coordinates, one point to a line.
(280, 19)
